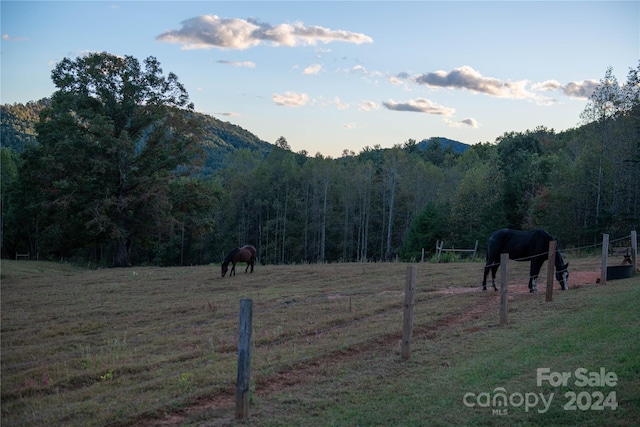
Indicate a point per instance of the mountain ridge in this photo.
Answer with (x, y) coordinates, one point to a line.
(220, 138)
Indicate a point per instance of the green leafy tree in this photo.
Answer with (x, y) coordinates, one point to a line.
(603, 106)
(429, 226)
(519, 159)
(9, 172)
(191, 200)
(478, 207)
(115, 135)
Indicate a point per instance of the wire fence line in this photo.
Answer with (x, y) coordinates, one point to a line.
(347, 292)
(226, 386)
(581, 262)
(386, 288)
(392, 290)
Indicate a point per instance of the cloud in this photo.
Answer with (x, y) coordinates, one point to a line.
(395, 80)
(419, 105)
(228, 114)
(470, 122)
(312, 69)
(582, 90)
(9, 38)
(290, 99)
(247, 64)
(467, 78)
(368, 106)
(350, 125)
(211, 31)
(473, 123)
(339, 105)
(359, 68)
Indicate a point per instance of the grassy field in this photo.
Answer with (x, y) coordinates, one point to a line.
(157, 346)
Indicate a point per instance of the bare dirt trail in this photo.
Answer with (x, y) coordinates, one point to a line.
(223, 404)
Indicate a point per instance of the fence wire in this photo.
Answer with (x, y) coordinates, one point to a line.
(576, 257)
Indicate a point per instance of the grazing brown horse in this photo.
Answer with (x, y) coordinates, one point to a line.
(247, 254)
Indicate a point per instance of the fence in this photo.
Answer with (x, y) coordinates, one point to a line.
(344, 316)
(440, 248)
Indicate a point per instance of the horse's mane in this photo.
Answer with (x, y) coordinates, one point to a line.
(229, 257)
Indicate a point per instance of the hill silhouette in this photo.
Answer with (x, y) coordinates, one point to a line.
(220, 138)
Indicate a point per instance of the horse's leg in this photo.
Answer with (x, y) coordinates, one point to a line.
(233, 269)
(484, 278)
(253, 261)
(536, 265)
(491, 265)
(494, 269)
(247, 269)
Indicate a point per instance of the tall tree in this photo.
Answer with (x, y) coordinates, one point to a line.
(9, 173)
(115, 135)
(519, 159)
(478, 207)
(604, 105)
(393, 161)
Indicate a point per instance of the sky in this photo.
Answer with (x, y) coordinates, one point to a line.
(331, 76)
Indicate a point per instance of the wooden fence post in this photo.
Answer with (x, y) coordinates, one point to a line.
(603, 263)
(504, 260)
(634, 250)
(551, 270)
(244, 359)
(407, 322)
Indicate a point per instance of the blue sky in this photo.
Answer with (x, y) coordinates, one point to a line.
(330, 76)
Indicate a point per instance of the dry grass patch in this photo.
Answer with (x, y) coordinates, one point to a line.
(116, 346)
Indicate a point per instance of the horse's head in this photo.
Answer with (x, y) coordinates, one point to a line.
(225, 268)
(562, 276)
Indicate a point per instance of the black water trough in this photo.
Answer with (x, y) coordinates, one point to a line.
(619, 272)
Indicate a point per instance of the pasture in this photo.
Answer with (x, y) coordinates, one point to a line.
(157, 346)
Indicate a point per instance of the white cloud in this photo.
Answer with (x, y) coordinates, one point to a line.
(247, 64)
(312, 69)
(359, 68)
(339, 105)
(547, 86)
(473, 123)
(394, 80)
(290, 99)
(582, 90)
(419, 105)
(368, 106)
(9, 38)
(211, 31)
(467, 78)
(350, 125)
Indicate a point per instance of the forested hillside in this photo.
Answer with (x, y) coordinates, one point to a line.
(219, 138)
(17, 123)
(229, 188)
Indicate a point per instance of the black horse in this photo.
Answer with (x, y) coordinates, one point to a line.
(247, 254)
(523, 246)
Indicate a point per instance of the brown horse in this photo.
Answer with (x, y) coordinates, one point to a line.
(247, 254)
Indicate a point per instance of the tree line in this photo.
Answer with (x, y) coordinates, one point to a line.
(119, 176)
